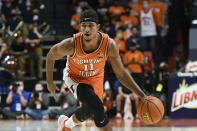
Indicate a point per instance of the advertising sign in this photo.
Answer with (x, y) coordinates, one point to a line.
(183, 96)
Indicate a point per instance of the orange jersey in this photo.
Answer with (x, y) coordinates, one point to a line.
(133, 67)
(75, 18)
(116, 10)
(129, 19)
(127, 34)
(121, 45)
(88, 68)
(135, 8)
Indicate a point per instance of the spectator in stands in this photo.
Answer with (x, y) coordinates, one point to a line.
(159, 9)
(67, 103)
(43, 26)
(38, 105)
(35, 50)
(2, 31)
(102, 10)
(107, 97)
(17, 100)
(84, 4)
(19, 50)
(128, 18)
(36, 3)
(6, 10)
(12, 22)
(115, 11)
(148, 27)
(3, 52)
(136, 7)
(119, 25)
(120, 42)
(27, 14)
(108, 27)
(75, 19)
(134, 61)
(127, 32)
(122, 95)
(135, 37)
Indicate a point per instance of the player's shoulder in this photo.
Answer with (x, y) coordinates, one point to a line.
(112, 43)
(112, 47)
(67, 43)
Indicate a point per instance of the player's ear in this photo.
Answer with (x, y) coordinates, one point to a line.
(98, 26)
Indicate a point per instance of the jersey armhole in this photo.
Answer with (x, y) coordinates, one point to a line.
(75, 46)
(107, 46)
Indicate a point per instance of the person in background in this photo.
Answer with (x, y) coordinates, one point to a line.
(2, 30)
(3, 52)
(128, 18)
(123, 94)
(134, 62)
(120, 42)
(27, 15)
(136, 38)
(38, 105)
(102, 10)
(107, 97)
(19, 50)
(35, 50)
(136, 7)
(67, 103)
(17, 100)
(148, 27)
(42, 26)
(115, 11)
(75, 19)
(108, 27)
(6, 10)
(160, 10)
(13, 24)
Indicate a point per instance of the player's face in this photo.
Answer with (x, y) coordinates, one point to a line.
(89, 30)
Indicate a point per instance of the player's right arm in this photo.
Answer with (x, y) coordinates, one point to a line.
(59, 50)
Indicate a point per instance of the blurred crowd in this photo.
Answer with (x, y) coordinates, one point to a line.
(22, 30)
(35, 105)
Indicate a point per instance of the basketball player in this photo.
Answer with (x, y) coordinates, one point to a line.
(87, 53)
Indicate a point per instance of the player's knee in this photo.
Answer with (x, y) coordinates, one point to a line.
(82, 90)
(102, 122)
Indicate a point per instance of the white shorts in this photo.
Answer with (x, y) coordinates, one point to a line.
(72, 85)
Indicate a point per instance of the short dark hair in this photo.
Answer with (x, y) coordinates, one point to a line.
(89, 15)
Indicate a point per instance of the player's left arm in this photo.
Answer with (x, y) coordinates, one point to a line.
(123, 76)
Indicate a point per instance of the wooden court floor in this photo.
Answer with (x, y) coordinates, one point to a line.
(117, 125)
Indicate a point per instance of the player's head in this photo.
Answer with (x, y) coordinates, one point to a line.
(89, 24)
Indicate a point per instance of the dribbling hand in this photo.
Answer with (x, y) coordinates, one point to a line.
(52, 89)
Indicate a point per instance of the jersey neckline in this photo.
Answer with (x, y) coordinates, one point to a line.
(96, 49)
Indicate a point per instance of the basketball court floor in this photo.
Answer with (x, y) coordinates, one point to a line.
(117, 125)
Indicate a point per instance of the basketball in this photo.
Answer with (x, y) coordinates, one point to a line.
(150, 110)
